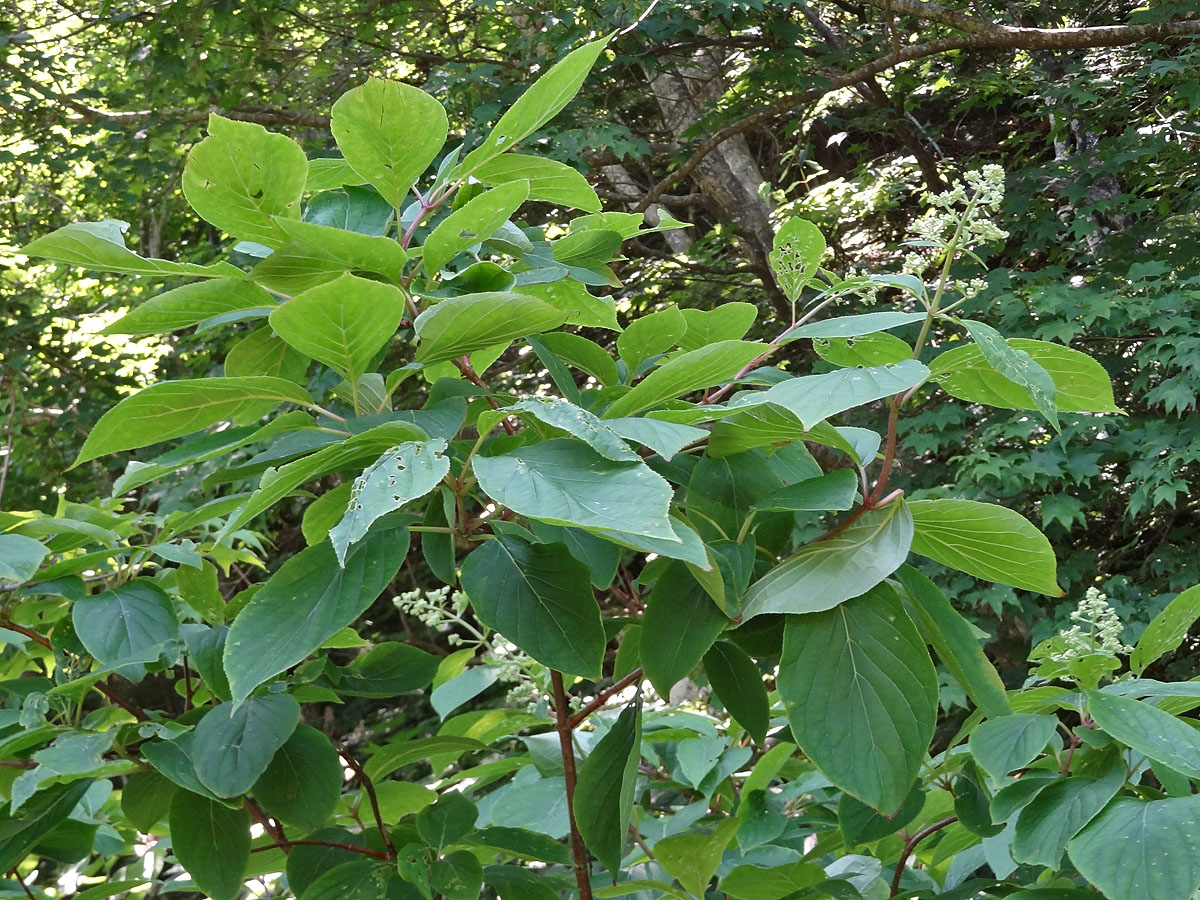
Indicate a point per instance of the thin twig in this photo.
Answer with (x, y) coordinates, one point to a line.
(17, 876)
(369, 787)
(912, 844)
(604, 696)
(377, 854)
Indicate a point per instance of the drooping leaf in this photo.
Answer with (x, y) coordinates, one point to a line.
(549, 180)
(664, 438)
(1081, 384)
(303, 781)
(1166, 630)
(1145, 728)
(37, 817)
(389, 133)
(1018, 367)
(471, 223)
(20, 557)
(126, 621)
(241, 176)
(798, 248)
(861, 695)
(822, 574)
(341, 323)
(812, 398)
(738, 684)
(309, 599)
(101, 246)
(567, 483)
(212, 842)
(472, 322)
(171, 409)
(861, 824)
(1007, 743)
(578, 422)
(192, 304)
(693, 371)
(679, 626)
(146, 799)
(538, 105)
(1142, 851)
(833, 491)
(539, 597)
(1058, 813)
(604, 794)
(952, 638)
(401, 475)
(234, 744)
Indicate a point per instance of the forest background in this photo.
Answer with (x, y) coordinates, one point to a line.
(729, 116)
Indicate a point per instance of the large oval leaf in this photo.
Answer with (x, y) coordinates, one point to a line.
(566, 482)
(342, 323)
(171, 409)
(549, 180)
(861, 695)
(691, 371)
(472, 322)
(812, 398)
(604, 794)
(125, 622)
(1142, 851)
(192, 304)
(540, 598)
(241, 176)
(212, 842)
(1007, 743)
(825, 573)
(389, 133)
(234, 744)
(986, 540)
(471, 223)
(303, 781)
(20, 557)
(1059, 812)
(679, 626)
(1149, 730)
(309, 599)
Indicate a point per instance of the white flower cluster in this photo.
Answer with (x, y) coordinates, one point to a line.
(959, 216)
(1100, 634)
(434, 608)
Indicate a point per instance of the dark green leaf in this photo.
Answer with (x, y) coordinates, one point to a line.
(738, 684)
(1007, 743)
(234, 744)
(679, 626)
(388, 670)
(212, 842)
(447, 820)
(125, 622)
(834, 491)
(1060, 812)
(604, 794)
(303, 781)
(146, 799)
(39, 815)
(1148, 730)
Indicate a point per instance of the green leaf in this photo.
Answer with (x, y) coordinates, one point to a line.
(538, 105)
(146, 799)
(20, 557)
(738, 684)
(692, 371)
(822, 574)
(604, 794)
(549, 180)
(953, 639)
(1018, 367)
(649, 336)
(585, 355)
(1148, 730)
(693, 858)
(812, 398)
(774, 883)
(687, 545)
(361, 879)
(521, 843)
(986, 540)
(855, 326)
(401, 475)
(200, 589)
(315, 254)
(833, 491)
(727, 322)
(342, 323)
(303, 781)
(664, 438)
(387, 670)
(1165, 632)
(458, 876)
(679, 626)
(328, 173)
(1007, 743)
(578, 422)
(447, 820)
(574, 300)
(389, 133)
(212, 842)
(101, 246)
(38, 816)
(125, 622)
(240, 177)
(472, 322)
(861, 695)
(565, 482)
(303, 604)
(1142, 851)
(539, 597)
(262, 352)
(637, 886)
(798, 248)
(876, 349)
(861, 824)
(471, 223)
(192, 304)
(1058, 813)
(1081, 384)
(235, 743)
(401, 753)
(171, 409)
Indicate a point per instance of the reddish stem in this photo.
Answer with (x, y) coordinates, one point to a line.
(377, 854)
(562, 724)
(912, 844)
(369, 787)
(604, 696)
